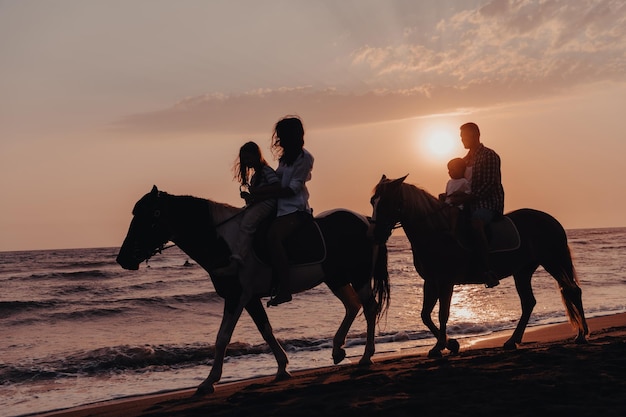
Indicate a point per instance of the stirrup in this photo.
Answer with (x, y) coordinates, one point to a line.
(279, 299)
(232, 268)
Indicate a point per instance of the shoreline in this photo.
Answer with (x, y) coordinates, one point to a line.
(481, 375)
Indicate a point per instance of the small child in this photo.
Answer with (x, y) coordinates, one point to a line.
(252, 172)
(456, 184)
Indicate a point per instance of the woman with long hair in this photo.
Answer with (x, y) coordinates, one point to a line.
(292, 205)
(253, 173)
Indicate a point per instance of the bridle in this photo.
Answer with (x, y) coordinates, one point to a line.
(156, 215)
(388, 226)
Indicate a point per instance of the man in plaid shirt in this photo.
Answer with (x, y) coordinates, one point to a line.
(486, 200)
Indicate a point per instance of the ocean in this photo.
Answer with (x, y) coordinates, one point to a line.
(78, 329)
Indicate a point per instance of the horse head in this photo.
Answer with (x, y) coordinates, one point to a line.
(387, 207)
(148, 232)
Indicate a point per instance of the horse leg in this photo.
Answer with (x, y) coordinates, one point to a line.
(233, 307)
(351, 303)
(445, 300)
(370, 311)
(428, 304)
(527, 299)
(259, 316)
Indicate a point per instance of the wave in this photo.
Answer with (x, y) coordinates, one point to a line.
(144, 358)
(8, 308)
(73, 275)
(107, 360)
(90, 264)
(56, 309)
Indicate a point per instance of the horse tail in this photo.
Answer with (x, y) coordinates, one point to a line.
(381, 279)
(571, 294)
(572, 298)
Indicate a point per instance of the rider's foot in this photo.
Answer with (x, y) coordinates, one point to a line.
(491, 280)
(279, 299)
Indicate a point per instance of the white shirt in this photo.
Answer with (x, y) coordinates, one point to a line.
(459, 184)
(295, 177)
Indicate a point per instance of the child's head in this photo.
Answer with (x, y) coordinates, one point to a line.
(250, 159)
(456, 168)
(250, 155)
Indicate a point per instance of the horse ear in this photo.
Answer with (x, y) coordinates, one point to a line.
(155, 190)
(383, 178)
(399, 180)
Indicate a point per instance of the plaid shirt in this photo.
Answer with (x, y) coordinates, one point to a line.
(486, 180)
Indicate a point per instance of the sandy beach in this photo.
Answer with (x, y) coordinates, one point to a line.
(548, 374)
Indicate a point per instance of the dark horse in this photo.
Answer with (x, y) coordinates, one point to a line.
(442, 262)
(203, 229)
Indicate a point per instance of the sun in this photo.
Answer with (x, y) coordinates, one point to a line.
(437, 140)
(440, 144)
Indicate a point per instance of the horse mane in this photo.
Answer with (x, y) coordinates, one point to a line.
(196, 220)
(202, 212)
(422, 205)
(419, 200)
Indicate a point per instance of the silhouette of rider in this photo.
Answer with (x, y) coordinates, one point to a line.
(486, 199)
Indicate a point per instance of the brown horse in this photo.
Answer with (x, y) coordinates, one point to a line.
(205, 229)
(442, 261)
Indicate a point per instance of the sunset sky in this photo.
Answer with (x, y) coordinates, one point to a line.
(99, 100)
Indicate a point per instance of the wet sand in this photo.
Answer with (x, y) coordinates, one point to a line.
(547, 375)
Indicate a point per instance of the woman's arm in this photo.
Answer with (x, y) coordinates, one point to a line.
(271, 191)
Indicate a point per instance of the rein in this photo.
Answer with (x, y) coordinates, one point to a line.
(223, 222)
(159, 250)
(239, 213)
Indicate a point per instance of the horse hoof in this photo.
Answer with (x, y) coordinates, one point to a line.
(204, 389)
(510, 345)
(453, 346)
(581, 340)
(366, 362)
(339, 356)
(282, 376)
(434, 353)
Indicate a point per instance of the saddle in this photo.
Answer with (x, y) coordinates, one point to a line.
(502, 236)
(306, 246)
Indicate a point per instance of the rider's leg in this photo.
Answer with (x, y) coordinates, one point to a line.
(251, 218)
(281, 228)
(250, 221)
(480, 219)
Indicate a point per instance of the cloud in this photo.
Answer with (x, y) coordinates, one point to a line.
(256, 111)
(504, 51)
(522, 42)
